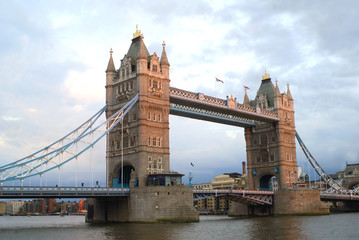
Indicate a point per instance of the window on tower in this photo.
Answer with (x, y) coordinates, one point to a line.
(154, 68)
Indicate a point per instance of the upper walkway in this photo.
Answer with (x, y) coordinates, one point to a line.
(199, 106)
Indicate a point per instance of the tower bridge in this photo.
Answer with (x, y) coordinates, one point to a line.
(139, 100)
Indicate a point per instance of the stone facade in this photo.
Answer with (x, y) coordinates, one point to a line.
(145, 138)
(299, 202)
(146, 204)
(270, 147)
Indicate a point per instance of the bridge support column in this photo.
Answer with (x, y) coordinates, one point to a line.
(299, 202)
(146, 204)
(111, 209)
(241, 209)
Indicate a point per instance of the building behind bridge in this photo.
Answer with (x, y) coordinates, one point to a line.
(219, 205)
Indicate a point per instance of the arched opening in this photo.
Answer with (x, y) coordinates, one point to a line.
(117, 182)
(268, 182)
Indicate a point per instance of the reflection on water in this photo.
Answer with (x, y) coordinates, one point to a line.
(337, 226)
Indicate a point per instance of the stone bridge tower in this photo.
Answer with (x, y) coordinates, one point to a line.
(145, 138)
(271, 153)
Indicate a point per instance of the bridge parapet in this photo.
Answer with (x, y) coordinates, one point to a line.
(184, 99)
(62, 192)
(248, 197)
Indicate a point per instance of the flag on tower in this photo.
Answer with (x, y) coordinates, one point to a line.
(246, 88)
(219, 80)
(192, 164)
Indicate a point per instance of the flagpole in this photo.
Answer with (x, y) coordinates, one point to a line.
(215, 88)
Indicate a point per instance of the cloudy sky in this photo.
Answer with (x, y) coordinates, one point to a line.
(53, 56)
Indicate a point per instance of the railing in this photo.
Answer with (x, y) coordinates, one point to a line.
(201, 98)
(63, 192)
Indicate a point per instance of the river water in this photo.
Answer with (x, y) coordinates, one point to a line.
(335, 226)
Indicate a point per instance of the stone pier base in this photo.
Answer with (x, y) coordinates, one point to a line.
(299, 202)
(286, 202)
(240, 209)
(146, 204)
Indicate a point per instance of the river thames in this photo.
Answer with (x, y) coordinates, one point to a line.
(335, 226)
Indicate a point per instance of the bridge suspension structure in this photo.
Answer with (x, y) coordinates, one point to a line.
(334, 186)
(66, 149)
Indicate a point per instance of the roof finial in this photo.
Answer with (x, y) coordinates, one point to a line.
(163, 44)
(111, 51)
(137, 33)
(265, 76)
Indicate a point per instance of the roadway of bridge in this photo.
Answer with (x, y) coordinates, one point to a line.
(62, 192)
(198, 106)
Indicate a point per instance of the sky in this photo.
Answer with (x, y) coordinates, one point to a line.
(53, 57)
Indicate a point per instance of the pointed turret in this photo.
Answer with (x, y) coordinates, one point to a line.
(165, 66)
(164, 60)
(111, 65)
(289, 94)
(277, 92)
(246, 99)
(110, 76)
(277, 96)
(143, 52)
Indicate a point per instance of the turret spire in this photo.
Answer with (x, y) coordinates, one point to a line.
(143, 53)
(246, 99)
(164, 60)
(111, 65)
(289, 94)
(277, 92)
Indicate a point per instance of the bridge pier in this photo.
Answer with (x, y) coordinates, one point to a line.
(146, 204)
(299, 202)
(240, 209)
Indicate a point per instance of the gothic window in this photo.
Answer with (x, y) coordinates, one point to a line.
(159, 142)
(154, 68)
(265, 156)
(264, 140)
(154, 141)
(154, 163)
(149, 141)
(159, 117)
(159, 160)
(154, 117)
(133, 141)
(258, 159)
(125, 141)
(148, 116)
(123, 73)
(131, 85)
(272, 157)
(154, 84)
(127, 72)
(120, 88)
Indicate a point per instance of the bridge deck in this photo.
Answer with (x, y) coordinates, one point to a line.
(198, 106)
(62, 192)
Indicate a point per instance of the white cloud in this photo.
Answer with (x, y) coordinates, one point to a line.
(54, 65)
(11, 118)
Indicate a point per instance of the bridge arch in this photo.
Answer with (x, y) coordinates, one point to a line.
(117, 175)
(268, 182)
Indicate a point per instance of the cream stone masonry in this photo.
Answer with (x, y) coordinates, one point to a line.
(145, 137)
